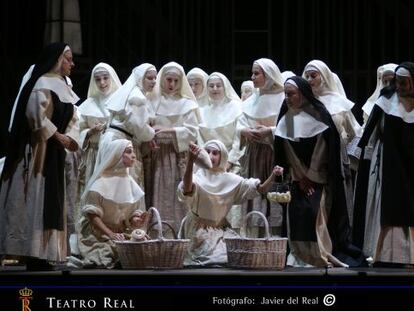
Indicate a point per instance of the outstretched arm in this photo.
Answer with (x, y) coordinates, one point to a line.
(264, 187)
(188, 175)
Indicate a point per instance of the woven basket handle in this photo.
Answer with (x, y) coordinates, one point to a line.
(180, 231)
(157, 215)
(164, 223)
(243, 229)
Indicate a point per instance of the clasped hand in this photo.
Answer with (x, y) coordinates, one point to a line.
(257, 133)
(307, 186)
(65, 141)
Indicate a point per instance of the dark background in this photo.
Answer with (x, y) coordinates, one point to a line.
(353, 37)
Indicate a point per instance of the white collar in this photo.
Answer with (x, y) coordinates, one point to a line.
(303, 126)
(220, 114)
(393, 107)
(175, 106)
(217, 183)
(58, 85)
(94, 107)
(119, 189)
(264, 105)
(335, 102)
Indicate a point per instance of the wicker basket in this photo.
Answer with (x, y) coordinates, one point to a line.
(256, 253)
(153, 254)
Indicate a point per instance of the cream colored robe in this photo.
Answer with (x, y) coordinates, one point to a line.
(96, 248)
(88, 118)
(134, 119)
(167, 164)
(21, 215)
(206, 225)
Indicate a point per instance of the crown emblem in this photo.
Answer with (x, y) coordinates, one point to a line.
(25, 292)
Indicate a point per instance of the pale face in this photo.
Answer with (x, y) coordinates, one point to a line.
(258, 76)
(246, 92)
(215, 88)
(148, 82)
(386, 78)
(215, 156)
(404, 86)
(67, 64)
(293, 97)
(197, 86)
(128, 157)
(171, 83)
(103, 81)
(314, 78)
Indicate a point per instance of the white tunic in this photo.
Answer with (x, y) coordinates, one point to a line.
(213, 196)
(21, 216)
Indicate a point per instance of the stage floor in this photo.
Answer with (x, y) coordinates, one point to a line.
(207, 274)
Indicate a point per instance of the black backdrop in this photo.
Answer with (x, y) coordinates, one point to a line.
(353, 37)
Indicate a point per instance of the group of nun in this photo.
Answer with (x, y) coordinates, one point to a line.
(130, 146)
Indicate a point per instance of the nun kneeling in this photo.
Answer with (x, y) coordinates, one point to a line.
(209, 194)
(112, 204)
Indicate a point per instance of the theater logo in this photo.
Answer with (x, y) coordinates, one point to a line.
(25, 297)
